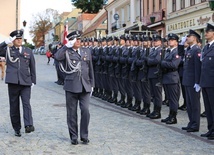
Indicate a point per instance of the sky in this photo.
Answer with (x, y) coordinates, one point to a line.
(30, 7)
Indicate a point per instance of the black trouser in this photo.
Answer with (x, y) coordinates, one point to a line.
(71, 106)
(16, 91)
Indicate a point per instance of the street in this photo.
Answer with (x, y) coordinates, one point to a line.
(112, 129)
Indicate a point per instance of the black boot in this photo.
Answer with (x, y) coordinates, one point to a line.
(172, 118)
(109, 96)
(165, 102)
(156, 113)
(122, 100)
(114, 99)
(183, 107)
(145, 110)
(136, 107)
(128, 103)
(166, 119)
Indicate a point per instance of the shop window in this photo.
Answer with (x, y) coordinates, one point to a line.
(182, 4)
(192, 2)
(173, 5)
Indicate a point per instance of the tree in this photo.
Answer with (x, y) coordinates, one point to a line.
(41, 25)
(88, 6)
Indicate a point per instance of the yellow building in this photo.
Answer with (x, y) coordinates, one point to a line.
(9, 18)
(70, 18)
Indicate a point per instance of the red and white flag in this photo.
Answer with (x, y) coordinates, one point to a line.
(65, 40)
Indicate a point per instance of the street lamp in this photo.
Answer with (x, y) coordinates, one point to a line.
(24, 25)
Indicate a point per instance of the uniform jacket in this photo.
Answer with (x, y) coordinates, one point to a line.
(75, 82)
(207, 67)
(169, 66)
(141, 63)
(192, 66)
(22, 72)
(153, 61)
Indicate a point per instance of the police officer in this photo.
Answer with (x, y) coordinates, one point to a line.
(126, 69)
(206, 80)
(191, 79)
(79, 82)
(20, 76)
(153, 61)
(142, 75)
(170, 78)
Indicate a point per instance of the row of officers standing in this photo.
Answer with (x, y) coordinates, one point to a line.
(140, 67)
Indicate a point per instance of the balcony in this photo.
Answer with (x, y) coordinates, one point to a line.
(117, 25)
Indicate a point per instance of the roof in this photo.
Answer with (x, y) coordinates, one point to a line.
(96, 24)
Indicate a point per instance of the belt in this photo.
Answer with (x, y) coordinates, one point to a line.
(168, 70)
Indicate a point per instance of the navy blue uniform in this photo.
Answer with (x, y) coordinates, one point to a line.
(191, 76)
(171, 80)
(154, 60)
(207, 84)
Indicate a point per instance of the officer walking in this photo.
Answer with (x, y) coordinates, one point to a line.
(206, 80)
(78, 84)
(20, 76)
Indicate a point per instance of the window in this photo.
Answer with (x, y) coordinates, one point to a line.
(182, 4)
(128, 12)
(160, 4)
(147, 7)
(138, 8)
(203, 0)
(153, 5)
(173, 5)
(192, 2)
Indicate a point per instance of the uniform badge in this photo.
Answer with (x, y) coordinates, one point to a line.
(177, 56)
(199, 54)
(210, 58)
(84, 58)
(74, 61)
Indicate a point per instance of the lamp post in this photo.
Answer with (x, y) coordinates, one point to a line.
(24, 25)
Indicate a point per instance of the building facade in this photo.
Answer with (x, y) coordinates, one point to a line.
(9, 18)
(184, 15)
(135, 15)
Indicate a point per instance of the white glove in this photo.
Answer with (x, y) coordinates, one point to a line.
(92, 89)
(183, 40)
(32, 85)
(70, 43)
(197, 87)
(10, 40)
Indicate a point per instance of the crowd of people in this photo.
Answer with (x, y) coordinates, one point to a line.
(135, 68)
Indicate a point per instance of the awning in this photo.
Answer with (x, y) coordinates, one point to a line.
(136, 30)
(117, 33)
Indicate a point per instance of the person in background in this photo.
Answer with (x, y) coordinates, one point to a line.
(20, 77)
(2, 67)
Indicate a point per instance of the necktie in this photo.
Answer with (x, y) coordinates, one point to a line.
(188, 48)
(208, 46)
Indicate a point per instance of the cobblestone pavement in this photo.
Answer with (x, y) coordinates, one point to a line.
(112, 131)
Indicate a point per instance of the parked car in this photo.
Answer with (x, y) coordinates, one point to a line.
(41, 50)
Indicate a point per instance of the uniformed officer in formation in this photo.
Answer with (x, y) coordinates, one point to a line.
(20, 76)
(170, 79)
(191, 79)
(153, 61)
(78, 84)
(206, 80)
(143, 65)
